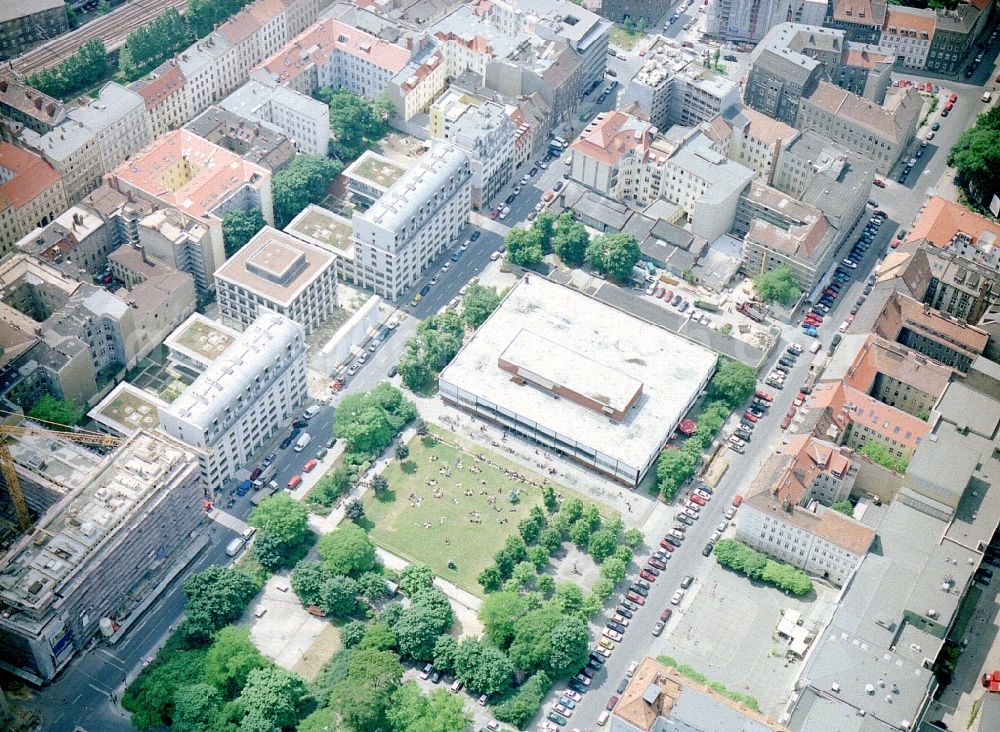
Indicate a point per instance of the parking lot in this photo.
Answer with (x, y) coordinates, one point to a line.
(725, 628)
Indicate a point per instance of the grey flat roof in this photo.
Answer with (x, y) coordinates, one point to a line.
(698, 711)
(817, 712)
(967, 407)
(669, 368)
(945, 461)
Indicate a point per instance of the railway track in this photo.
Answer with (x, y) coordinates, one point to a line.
(113, 28)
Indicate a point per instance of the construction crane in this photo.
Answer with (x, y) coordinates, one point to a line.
(83, 437)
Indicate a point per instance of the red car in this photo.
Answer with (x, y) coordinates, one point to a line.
(665, 615)
(648, 576)
(635, 597)
(785, 422)
(948, 107)
(611, 703)
(895, 244)
(256, 473)
(695, 498)
(750, 416)
(953, 98)
(667, 545)
(764, 395)
(658, 563)
(495, 214)
(879, 182)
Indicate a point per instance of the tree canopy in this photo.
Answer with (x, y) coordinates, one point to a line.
(215, 597)
(571, 240)
(82, 70)
(524, 247)
(976, 157)
(284, 518)
(230, 659)
(369, 421)
(741, 558)
(239, 227)
(302, 182)
(346, 550)
(478, 303)
(151, 44)
(483, 667)
(437, 340)
(355, 122)
(673, 467)
(614, 254)
(778, 285)
(413, 711)
(59, 413)
(880, 454)
(271, 699)
(734, 382)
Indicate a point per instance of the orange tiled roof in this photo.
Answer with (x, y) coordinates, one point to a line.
(901, 311)
(31, 175)
(162, 87)
(880, 356)
(904, 18)
(849, 405)
(941, 220)
(612, 135)
(187, 172)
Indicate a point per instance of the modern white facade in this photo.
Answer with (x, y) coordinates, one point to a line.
(421, 214)
(280, 273)
(242, 397)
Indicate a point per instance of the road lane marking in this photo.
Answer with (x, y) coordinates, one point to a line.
(109, 654)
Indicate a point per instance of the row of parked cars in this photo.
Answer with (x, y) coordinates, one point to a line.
(668, 297)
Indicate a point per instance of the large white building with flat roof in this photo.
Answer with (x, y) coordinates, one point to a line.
(243, 395)
(579, 377)
(420, 214)
(281, 273)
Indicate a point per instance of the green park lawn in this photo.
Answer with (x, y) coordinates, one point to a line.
(409, 521)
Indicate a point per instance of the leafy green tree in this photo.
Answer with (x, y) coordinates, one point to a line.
(356, 123)
(435, 344)
(570, 647)
(524, 247)
(369, 421)
(231, 658)
(602, 589)
(284, 518)
(379, 637)
(373, 586)
(614, 254)
(673, 467)
(352, 632)
(614, 569)
(215, 597)
(203, 16)
(529, 529)
(879, 453)
(741, 558)
(568, 598)
(58, 413)
(364, 692)
(346, 550)
(545, 225)
(412, 711)
(632, 538)
(844, 507)
(332, 485)
(196, 708)
(354, 510)
(478, 303)
(601, 544)
(580, 533)
(391, 614)
(428, 617)
(152, 695)
(339, 595)
(321, 720)
(445, 649)
(778, 285)
(302, 182)
(531, 646)
(415, 577)
(490, 578)
(571, 240)
(402, 452)
(483, 667)
(151, 44)
(272, 696)
(239, 227)
(976, 156)
(520, 707)
(84, 69)
(550, 539)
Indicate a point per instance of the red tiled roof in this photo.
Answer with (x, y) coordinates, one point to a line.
(941, 220)
(162, 87)
(31, 175)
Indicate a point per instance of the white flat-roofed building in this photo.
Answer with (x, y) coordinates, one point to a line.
(578, 376)
(242, 397)
(419, 215)
(306, 121)
(119, 119)
(98, 553)
(281, 273)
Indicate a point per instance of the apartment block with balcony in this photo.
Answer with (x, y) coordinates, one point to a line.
(242, 398)
(419, 215)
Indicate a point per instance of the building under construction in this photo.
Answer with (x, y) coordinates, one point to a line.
(111, 527)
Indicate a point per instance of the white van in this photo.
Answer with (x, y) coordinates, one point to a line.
(311, 412)
(235, 545)
(987, 96)
(603, 718)
(304, 439)
(815, 346)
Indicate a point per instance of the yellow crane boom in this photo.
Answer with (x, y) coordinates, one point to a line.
(10, 473)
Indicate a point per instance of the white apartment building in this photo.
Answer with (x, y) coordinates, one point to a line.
(907, 34)
(242, 397)
(751, 139)
(119, 119)
(786, 514)
(277, 272)
(674, 88)
(183, 243)
(421, 214)
(306, 121)
(481, 129)
(750, 20)
(879, 133)
(164, 96)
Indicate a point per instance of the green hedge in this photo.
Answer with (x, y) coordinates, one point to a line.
(741, 558)
(715, 686)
